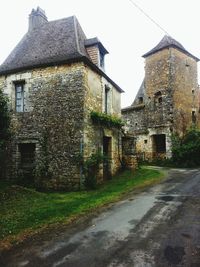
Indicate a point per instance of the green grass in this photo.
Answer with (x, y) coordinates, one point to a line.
(23, 209)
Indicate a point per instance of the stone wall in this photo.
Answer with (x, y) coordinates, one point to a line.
(56, 121)
(135, 119)
(171, 99)
(53, 120)
(158, 88)
(94, 134)
(185, 91)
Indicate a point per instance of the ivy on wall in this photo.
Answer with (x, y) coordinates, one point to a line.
(106, 120)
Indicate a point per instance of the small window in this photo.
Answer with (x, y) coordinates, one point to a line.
(140, 100)
(145, 141)
(187, 63)
(106, 108)
(19, 97)
(157, 94)
(192, 91)
(160, 100)
(101, 57)
(193, 117)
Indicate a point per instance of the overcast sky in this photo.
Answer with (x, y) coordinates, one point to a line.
(125, 32)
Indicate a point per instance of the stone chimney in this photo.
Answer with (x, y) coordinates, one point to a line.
(37, 18)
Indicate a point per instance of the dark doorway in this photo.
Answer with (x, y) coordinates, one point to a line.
(159, 143)
(27, 162)
(107, 146)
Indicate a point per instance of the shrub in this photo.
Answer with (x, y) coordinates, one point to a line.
(91, 169)
(4, 129)
(186, 149)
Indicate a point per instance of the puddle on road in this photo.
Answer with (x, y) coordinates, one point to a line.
(166, 198)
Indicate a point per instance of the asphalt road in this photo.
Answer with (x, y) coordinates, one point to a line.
(159, 226)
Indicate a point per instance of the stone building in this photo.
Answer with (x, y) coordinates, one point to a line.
(167, 101)
(54, 78)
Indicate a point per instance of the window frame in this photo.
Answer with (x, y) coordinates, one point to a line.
(194, 118)
(106, 99)
(19, 107)
(101, 60)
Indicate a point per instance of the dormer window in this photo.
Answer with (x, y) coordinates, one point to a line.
(101, 59)
(96, 51)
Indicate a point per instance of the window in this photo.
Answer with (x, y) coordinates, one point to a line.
(157, 94)
(160, 100)
(19, 97)
(193, 117)
(101, 57)
(187, 63)
(107, 89)
(140, 100)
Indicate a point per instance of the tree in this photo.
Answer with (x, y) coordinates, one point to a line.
(4, 129)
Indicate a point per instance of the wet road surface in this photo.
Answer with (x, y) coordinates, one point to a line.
(160, 226)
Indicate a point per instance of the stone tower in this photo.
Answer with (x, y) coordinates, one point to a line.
(168, 100)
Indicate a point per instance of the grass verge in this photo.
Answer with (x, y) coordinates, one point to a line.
(26, 210)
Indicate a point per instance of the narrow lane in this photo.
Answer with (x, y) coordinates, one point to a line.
(157, 227)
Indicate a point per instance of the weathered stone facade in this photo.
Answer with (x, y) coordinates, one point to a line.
(167, 102)
(58, 102)
(52, 91)
(95, 134)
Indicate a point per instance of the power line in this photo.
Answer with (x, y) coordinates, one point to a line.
(146, 15)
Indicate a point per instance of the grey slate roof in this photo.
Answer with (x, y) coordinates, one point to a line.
(95, 41)
(140, 93)
(166, 42)
(52, 42)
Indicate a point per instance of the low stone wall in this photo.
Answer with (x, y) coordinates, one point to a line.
(130, 162)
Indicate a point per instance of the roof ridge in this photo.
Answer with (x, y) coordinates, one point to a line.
(79, 33)
(166, 42)
(55, 20)
(76, 35)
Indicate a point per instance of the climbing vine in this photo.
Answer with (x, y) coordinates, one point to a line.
(106, 120)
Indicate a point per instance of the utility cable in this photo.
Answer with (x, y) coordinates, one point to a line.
(146, 15)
